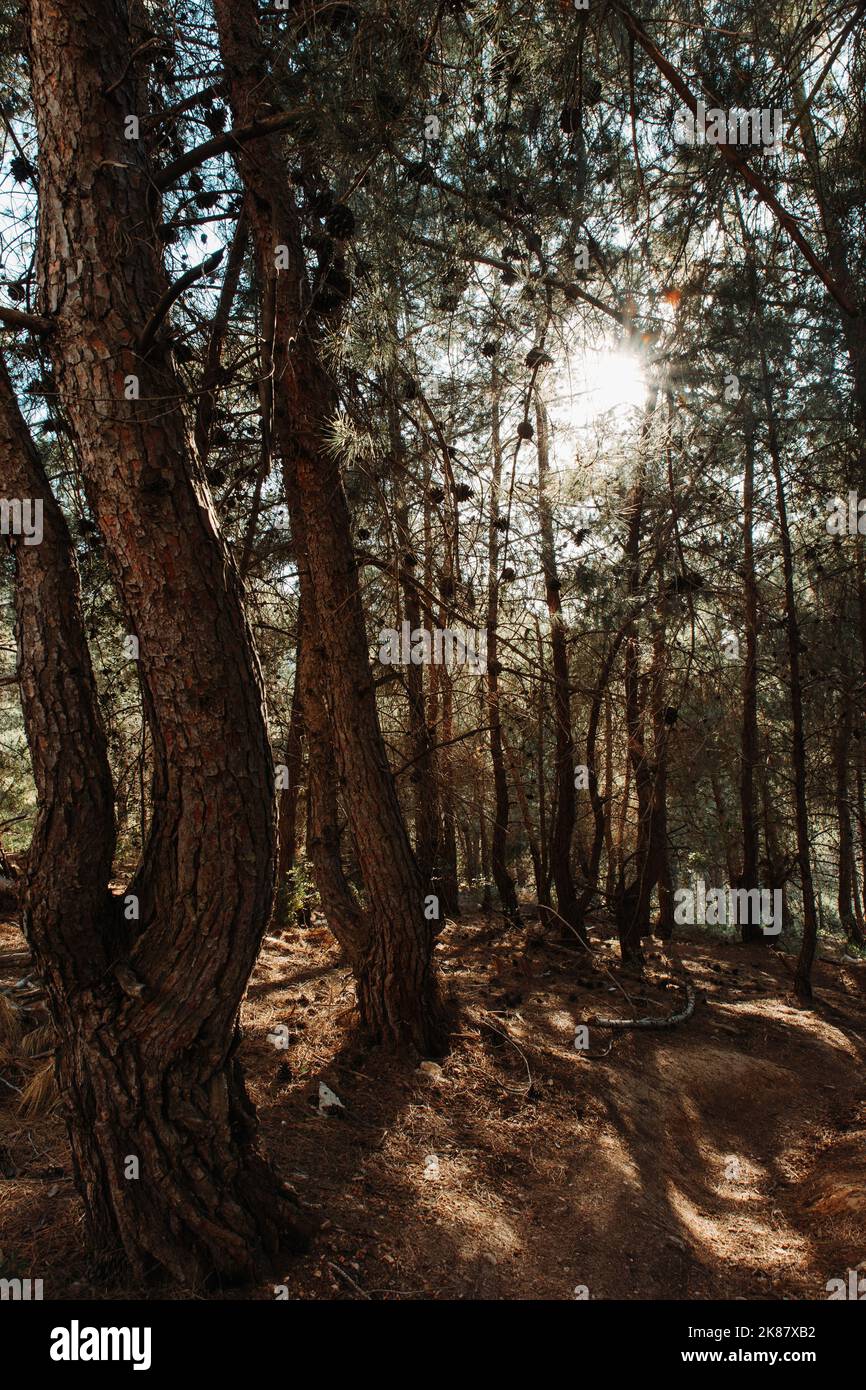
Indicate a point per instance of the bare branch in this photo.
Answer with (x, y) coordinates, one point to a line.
(174, 292)
(228, 140)
(15, 318)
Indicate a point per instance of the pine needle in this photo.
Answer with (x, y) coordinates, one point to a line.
(39, 1096)
(41, 1039)
(10, 1021)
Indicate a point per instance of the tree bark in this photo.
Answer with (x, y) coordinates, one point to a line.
(146, 1055)
(803, 973)
(502, 878)
(397, 993)
(568, 907)
(633, 898)
(748, 876)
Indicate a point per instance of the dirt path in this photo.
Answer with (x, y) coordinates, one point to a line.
(721, 1159)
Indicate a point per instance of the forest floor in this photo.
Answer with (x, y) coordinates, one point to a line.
(719, 1159)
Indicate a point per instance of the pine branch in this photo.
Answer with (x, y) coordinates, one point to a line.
(16, 318)
(174, 292)
(228, 140)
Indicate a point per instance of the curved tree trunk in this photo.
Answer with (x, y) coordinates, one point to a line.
(162, 1133)
(397, 993)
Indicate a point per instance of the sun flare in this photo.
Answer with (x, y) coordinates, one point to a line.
(610, 385)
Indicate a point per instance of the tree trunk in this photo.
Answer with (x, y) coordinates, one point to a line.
(803, 973)
(343, 914)
(502, 878)
(633, 898)
(146, 1051)
(397, 992)
(568, 908)
(659, 848)
(287, 814)
(748, 876)
(423, 775)
(847, 890)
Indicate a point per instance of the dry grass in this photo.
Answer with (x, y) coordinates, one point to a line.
(39, 1097)
(39, 1040)
(10, 1022)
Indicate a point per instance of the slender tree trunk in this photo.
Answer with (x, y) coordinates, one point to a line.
(633, 905)
(449, 886)
(607, 810)
(423, 776)
(287, 814)
(659, 848)
(502, 878)
(803, 974)
(749, 875)
(212, 374)
(543, 870)
(342, 912)
(397, 994)
(847, 877)
(724, 826)
(563, 826)
(600, 804)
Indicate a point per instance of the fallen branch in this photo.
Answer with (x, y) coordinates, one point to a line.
(670, 1021)
(349, 1280)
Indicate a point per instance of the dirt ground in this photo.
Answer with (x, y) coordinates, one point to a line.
(720, 1159)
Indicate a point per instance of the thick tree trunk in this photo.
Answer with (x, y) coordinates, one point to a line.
(397, 992)
(146, 1048)
(66, 898)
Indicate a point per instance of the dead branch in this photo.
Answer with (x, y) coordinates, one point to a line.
(670, 1021)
